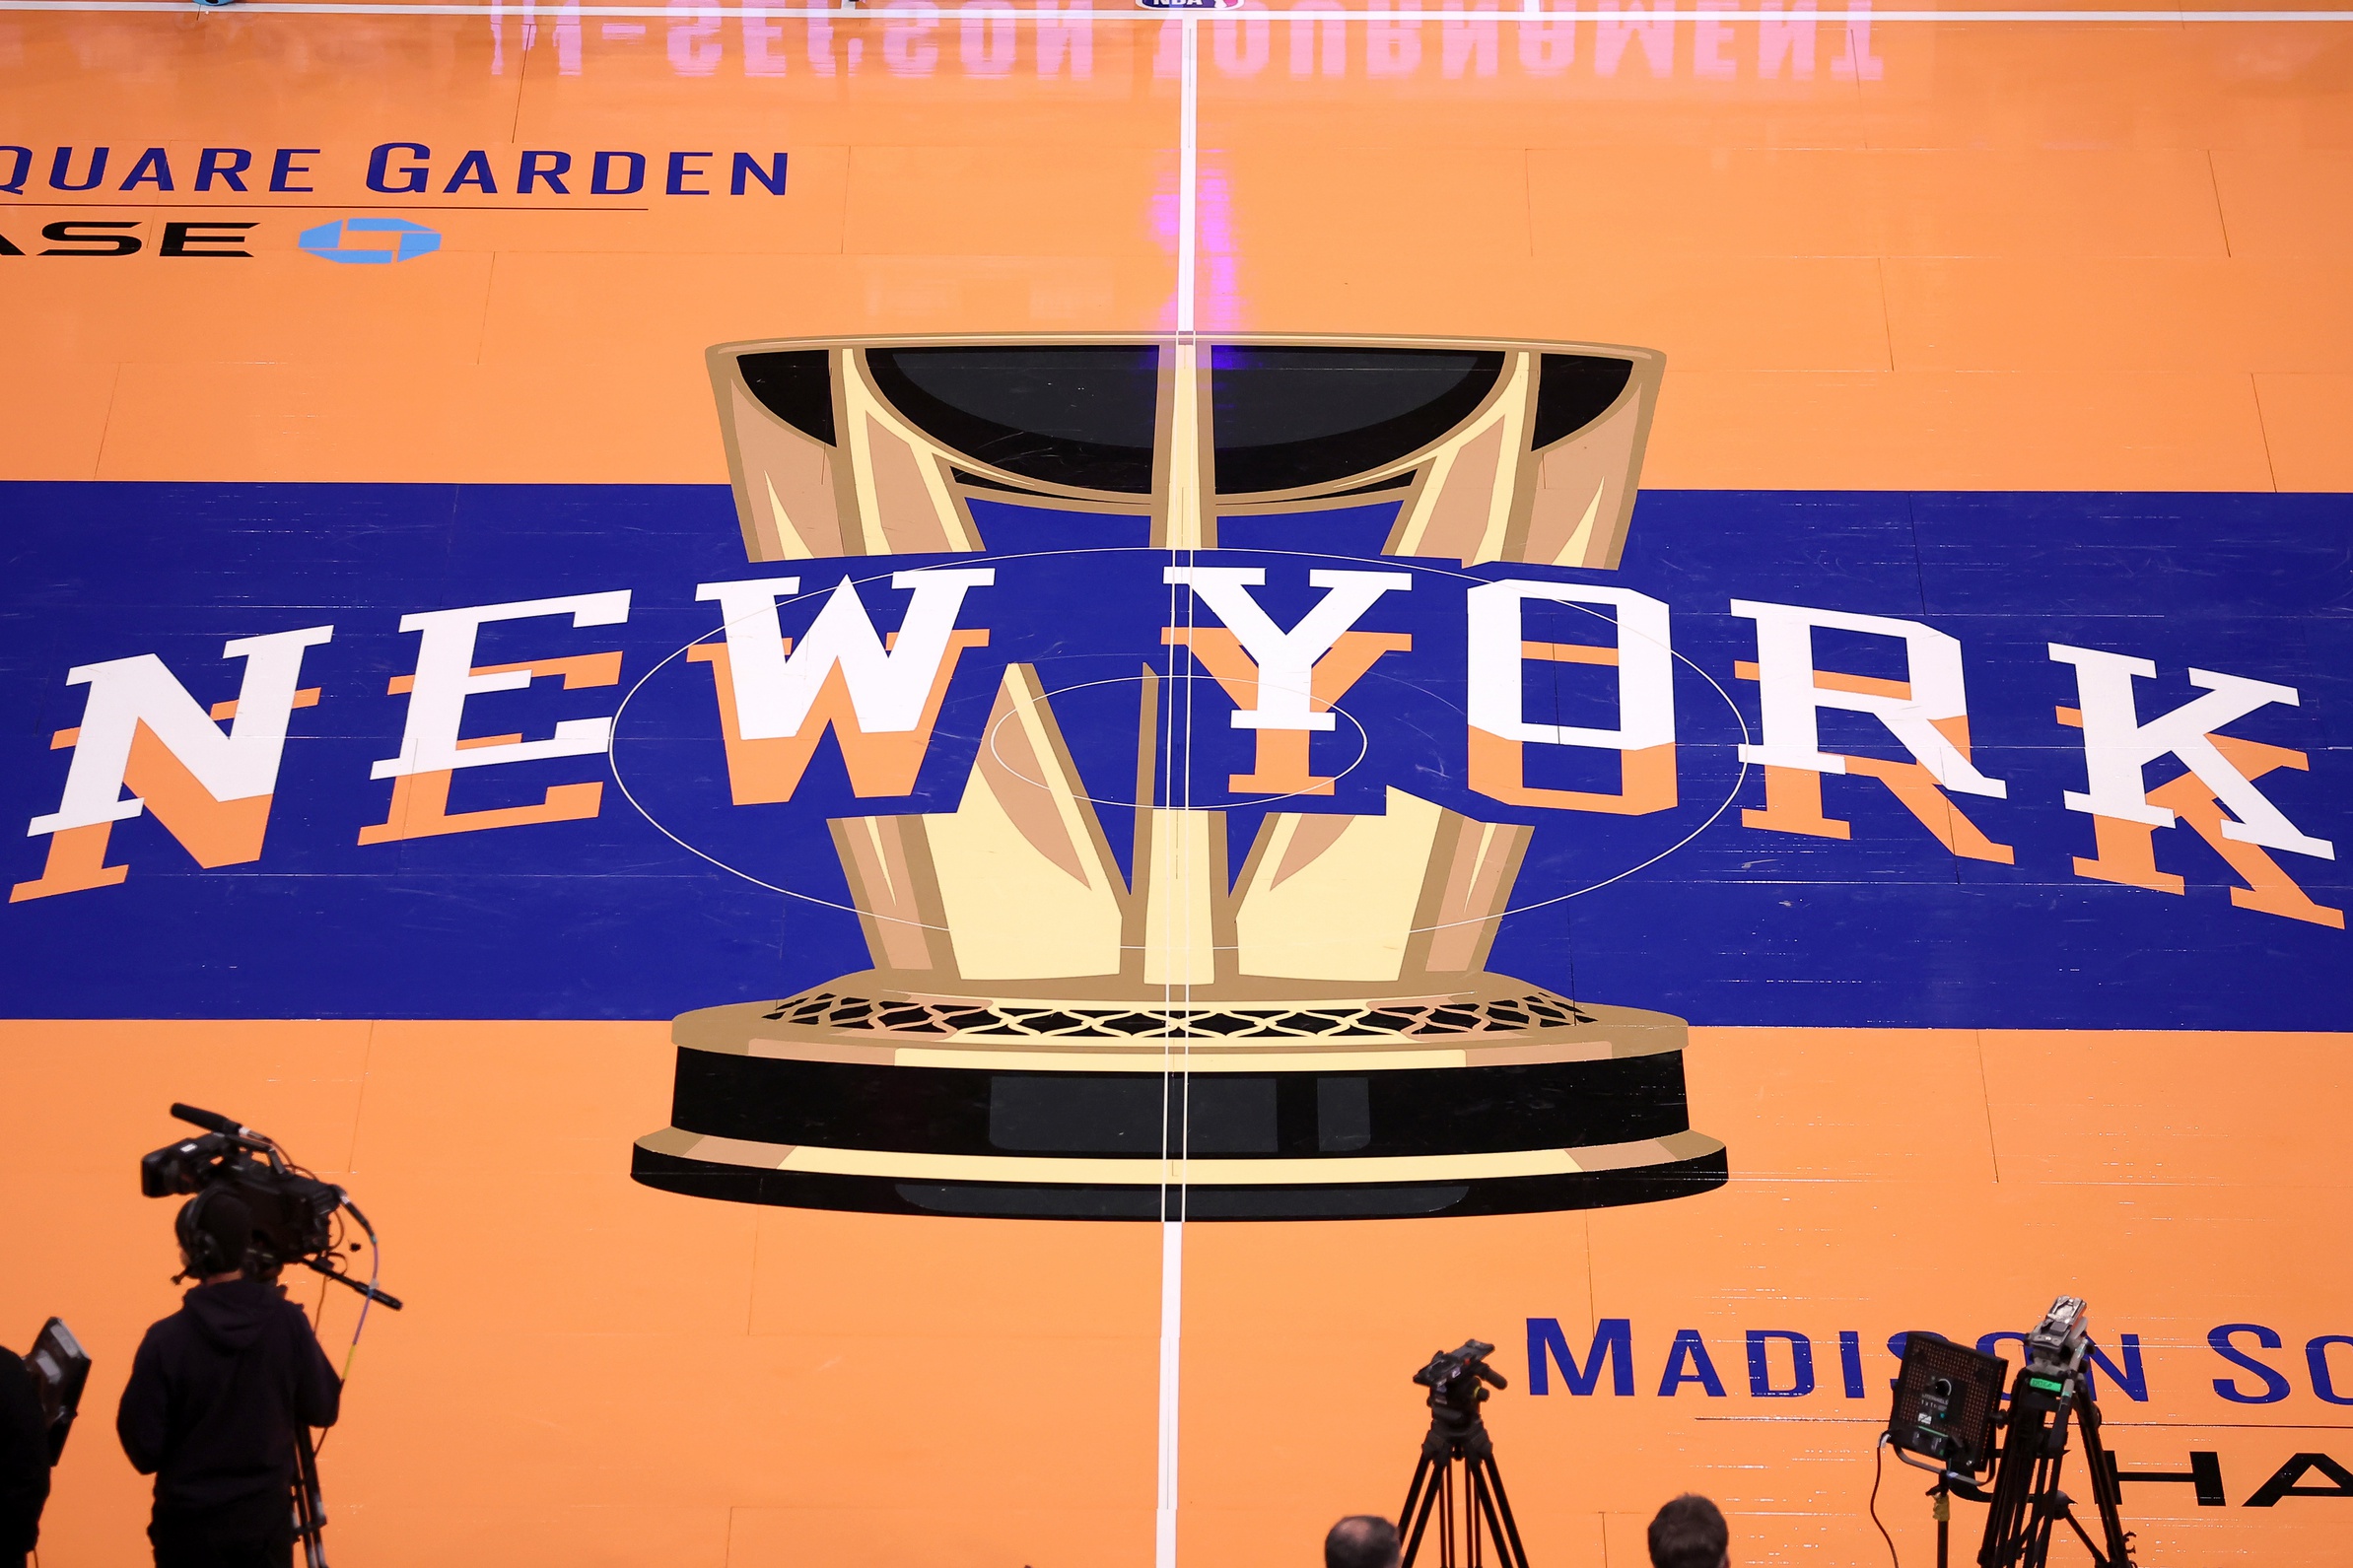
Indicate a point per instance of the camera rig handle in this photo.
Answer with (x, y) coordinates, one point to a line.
(316, 1266)
(237, 1132)
(292, 1208)
(228, 1127)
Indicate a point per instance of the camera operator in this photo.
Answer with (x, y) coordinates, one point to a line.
(217, 1395)
(24, 1461)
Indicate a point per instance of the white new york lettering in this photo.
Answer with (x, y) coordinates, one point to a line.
(1644, 656)
(445, 678)
(1790, 697)
(2117, 746)
(239, 764)
(1287, 659)
(888, 687)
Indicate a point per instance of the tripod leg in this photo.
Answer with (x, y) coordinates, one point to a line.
(2037, 1550)
(1446, 1519)
(2085, 1535)
(2107, 1490)
(1405, 1515)
(1517, 1556)
(2017, 1473)
(1439, 1485)
(2047, 1481)
(1486, 1517)
(1429, 1497)
(1483, 1486)
(1473, 1498)
(310, 1514)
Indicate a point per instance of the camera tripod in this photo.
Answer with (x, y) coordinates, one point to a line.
(310, 1509)
(2028, 1504)
(1458, 1435)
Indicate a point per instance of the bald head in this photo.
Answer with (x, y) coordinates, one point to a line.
(1362, 1541)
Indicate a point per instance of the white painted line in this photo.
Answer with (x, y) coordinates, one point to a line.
(1172, 1332)
(1176, 1084)
(885, 13)
(1188, 251)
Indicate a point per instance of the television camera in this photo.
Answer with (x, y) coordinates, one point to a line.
(295, 1221)
(294, 1212)
(1948, 1410)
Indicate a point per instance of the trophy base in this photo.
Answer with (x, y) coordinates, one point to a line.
(1496, 1098)
(1656, 1170)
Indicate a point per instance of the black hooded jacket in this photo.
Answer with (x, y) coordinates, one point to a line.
(217, 1393)
(23, 1457)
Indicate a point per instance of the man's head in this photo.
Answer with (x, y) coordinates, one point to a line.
(1690, 1533)
(1362, 1541)
(216, 1231)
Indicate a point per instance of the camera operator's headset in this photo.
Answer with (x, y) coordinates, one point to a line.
(207, 1254)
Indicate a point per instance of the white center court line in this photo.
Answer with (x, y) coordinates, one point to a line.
(1177, 1078)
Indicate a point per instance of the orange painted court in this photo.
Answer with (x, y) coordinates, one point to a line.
(1667, 685)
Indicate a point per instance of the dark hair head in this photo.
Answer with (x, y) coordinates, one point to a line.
(1688, 1533)
(216, 1231)
(1362, 1541)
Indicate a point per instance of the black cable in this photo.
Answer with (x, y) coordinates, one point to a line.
(1879, 1464)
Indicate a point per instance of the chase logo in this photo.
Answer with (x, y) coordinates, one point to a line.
(370, 240)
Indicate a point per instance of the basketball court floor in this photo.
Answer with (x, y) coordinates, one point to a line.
(1962, 375)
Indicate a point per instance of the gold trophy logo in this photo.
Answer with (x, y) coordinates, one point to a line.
(1044, 1034)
